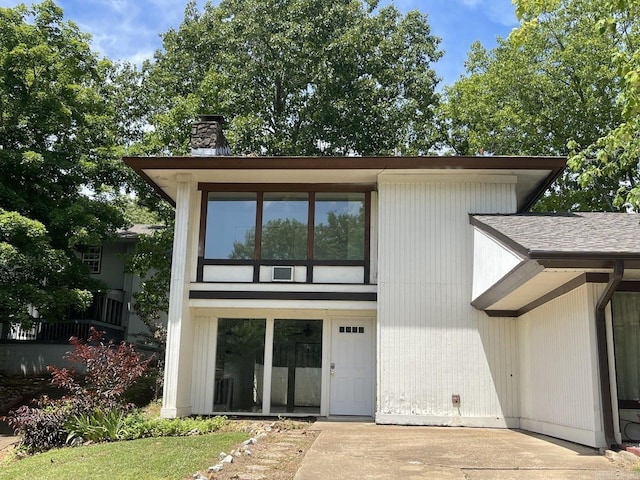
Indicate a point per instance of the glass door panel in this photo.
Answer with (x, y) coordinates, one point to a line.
(296, 375)
(239, 365)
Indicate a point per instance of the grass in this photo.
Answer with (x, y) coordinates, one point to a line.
(149, 458)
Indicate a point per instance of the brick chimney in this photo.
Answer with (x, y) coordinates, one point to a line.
(207, 137)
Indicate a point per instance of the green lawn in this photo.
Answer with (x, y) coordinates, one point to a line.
(150, 458)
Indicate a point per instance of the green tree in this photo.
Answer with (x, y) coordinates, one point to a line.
(55, 146)
(613, 156)
(303, 77)
(552, 84)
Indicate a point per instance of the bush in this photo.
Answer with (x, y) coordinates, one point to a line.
(98, 426)
(137, 426)
(144, 390)
(109, 370)
(40, 428)
(94, 405)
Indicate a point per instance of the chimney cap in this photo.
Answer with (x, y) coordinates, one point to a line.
(212, 118)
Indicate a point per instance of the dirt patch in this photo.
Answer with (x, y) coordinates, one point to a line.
(279, 449)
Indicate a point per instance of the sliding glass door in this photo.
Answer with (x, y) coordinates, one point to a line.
(291, 375)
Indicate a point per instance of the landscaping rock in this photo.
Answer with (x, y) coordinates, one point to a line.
(623, 457)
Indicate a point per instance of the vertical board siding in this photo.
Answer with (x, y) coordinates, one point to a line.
(558, 354)
(203, 365)
(432, 342)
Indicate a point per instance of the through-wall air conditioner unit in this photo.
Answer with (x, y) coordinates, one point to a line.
(282, 274)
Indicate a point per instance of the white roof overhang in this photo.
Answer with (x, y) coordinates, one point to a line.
(510, 283)
(532, 174)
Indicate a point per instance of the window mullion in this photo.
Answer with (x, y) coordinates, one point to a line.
(310, 235)
(257, 251)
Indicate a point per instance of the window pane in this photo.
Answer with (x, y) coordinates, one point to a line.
(339, 226)
(239, 365)
(91, 257)
(626, 337)
(296, 375)
(231, 220)
(284, 226)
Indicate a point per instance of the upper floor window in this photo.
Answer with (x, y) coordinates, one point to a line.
(286, 226)
(339, 226)
(92, 257)
(231, 222)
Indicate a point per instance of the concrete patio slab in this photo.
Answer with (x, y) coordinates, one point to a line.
(364, 450)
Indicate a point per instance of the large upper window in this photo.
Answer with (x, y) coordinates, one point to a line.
(283, 226)
(231, 222)
(339, 226)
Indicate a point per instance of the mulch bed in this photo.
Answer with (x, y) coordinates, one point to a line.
(17, 390)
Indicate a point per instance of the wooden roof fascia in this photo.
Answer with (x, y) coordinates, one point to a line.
(512, 280)
(555, 164)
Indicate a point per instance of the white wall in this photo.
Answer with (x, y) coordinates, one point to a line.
(491, 262)
(559, 368)
(431, 342)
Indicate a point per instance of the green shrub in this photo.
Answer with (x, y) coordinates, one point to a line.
(97, 426)
(136, 425)
(109, 370)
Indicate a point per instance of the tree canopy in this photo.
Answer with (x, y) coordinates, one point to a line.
(614, 155)
(554, 87)
(296, 77)
(56, 144)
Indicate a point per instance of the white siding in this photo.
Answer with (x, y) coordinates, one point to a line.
(336, 274)
(227, 273)
(559, 368)
(432, 343)
(204, 358)
(491, 262)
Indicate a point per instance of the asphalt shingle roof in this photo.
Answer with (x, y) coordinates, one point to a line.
(591, 232)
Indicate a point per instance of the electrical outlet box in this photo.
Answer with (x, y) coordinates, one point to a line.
(455, 400)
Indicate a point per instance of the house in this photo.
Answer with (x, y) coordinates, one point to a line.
(28, 351)
(414, 290)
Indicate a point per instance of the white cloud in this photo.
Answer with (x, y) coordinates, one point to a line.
(502, 13)
(139, 57)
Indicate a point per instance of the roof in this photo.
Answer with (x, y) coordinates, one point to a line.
(591, 234)
(533, 174)
(535, 258)
(137, 230)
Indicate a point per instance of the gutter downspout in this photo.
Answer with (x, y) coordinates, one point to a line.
(603, 357)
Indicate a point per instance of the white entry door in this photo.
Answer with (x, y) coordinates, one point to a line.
(352, 367)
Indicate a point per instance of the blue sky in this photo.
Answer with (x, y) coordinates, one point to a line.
(129, 29)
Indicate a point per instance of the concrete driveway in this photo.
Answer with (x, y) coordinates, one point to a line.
(363, 450)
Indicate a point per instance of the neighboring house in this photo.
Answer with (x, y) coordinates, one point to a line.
(363, 286)
(29, 351)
